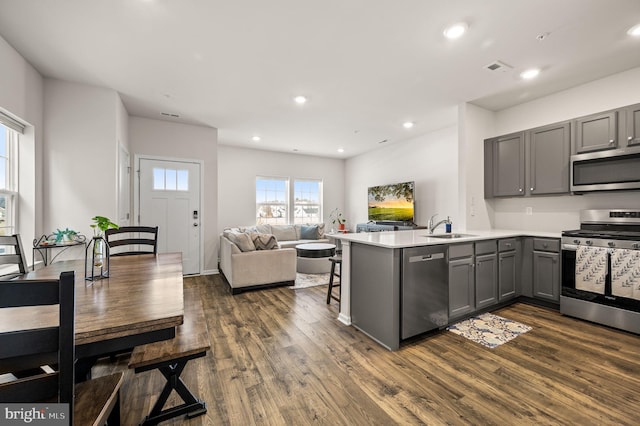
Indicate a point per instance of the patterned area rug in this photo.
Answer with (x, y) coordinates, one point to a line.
(312, 280)
(489, 330)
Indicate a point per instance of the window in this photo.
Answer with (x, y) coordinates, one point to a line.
(307, 203)
(8, 180)
(274, 198)
(272, 201)
(170, 179)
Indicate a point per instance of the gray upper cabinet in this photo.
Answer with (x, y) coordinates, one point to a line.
(506, 171)
(549, 149)
(597, 132)
(633, 125)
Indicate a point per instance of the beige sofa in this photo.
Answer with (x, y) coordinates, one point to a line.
(246, 266)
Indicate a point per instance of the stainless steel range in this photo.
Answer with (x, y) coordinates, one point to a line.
(601, 269)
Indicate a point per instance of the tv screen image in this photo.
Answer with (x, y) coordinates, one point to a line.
(391, 203)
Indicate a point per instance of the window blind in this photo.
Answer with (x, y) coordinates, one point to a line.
(11, 123)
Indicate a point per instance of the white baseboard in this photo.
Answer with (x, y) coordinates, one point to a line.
(344, 319)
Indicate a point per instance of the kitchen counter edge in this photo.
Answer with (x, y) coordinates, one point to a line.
(421, 237)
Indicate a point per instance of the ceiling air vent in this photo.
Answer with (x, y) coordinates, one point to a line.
(167, 114)
(498, 66)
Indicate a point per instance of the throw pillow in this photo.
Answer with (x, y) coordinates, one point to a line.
(309, 232)
(284, 232)
(264, 241)
(242, 240)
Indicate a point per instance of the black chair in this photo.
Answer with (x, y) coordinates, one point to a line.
(11, 254)
(128, 240)
(25, 351)
(335, 260)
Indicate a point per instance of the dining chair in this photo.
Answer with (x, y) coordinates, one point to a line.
(22, 352)
(128, 240)
(12, 259)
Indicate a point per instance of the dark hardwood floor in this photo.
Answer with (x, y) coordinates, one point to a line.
(280, 357)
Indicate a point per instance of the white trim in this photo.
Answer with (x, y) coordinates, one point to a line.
(136, 193)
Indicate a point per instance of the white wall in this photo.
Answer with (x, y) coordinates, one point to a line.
(80, 149)
(21, 95)
(557, 213)
(182, 141)
(475, 124)
(238, 168)
(431, 160)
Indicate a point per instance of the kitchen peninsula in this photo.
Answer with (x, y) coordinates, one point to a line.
(397, 285)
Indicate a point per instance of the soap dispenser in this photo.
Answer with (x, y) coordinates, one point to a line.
(447, 226)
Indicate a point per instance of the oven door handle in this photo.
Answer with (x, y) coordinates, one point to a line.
(570, 247)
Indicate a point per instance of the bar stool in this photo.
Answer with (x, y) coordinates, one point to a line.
(335, 260)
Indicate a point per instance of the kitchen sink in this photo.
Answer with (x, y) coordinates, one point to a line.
(450, 236)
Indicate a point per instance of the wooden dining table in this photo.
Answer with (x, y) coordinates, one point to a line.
(140, 302)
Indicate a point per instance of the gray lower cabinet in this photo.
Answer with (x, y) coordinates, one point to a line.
(486, 280)
(597, 132)
(549, 148)
(461, 280)
(375, 292)
(508, 270)
(546, 269)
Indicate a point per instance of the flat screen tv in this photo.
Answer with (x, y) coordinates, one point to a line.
(391, 203)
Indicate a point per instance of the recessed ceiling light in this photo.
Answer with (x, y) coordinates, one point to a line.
(256, 138)
(634, 31)
(530, 73)
(455, 31)
(407, 124)
(300, 99)
(340, 149)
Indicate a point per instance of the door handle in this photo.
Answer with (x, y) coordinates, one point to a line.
(195, 224)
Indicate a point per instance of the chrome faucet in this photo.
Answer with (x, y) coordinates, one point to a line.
(431, 226)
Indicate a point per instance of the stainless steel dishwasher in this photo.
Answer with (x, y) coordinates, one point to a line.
(425, 290)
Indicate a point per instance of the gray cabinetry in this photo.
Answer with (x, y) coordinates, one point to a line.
(633, 125)
(506, 171)
(508, 270)
(486, 280)
(546, 269)
(548, 151)
(486, 274)
(375, 292)
(461, 280)
(597, 132)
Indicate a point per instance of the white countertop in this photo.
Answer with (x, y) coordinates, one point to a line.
(421, 237)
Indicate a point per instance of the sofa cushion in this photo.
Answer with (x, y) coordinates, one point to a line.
(264, 241)
(263, 228)
(309, 232)
(242, 240)
(284, 232)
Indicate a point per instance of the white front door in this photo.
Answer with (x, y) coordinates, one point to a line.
(170, 199)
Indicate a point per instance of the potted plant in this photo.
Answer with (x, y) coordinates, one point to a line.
(96, 265)
(337, 218)
(65, 237)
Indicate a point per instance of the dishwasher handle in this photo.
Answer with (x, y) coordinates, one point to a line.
(426, 257)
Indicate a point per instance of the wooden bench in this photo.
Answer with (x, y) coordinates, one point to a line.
(171, 356)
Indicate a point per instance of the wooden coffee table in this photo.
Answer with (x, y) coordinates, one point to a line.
(313, 257)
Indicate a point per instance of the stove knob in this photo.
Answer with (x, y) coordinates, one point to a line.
(576, 241)
(636, 246)
(611, 244)
(589, 242)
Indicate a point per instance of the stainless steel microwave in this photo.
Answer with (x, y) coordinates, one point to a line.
(606, 170)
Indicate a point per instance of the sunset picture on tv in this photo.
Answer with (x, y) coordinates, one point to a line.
(391, 202)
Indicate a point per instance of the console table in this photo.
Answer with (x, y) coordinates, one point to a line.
(44, 247)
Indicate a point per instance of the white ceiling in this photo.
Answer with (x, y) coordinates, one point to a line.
(365, 65)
